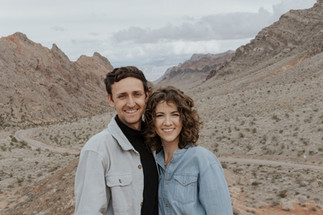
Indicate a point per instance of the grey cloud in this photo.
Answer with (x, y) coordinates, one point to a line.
(213, 27)
(57, 28)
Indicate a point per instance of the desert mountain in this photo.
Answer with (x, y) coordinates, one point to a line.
(195, 70)
(279, 70)
(40, 85)
(265, 104)
(296, 35)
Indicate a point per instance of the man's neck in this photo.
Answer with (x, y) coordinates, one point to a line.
(124, 125)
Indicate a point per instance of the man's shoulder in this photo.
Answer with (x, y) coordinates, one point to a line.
(102, 135)
(98, 140)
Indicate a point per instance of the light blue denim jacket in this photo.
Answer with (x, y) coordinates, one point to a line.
(193, 183)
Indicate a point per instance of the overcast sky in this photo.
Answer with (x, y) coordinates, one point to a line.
(150, 34)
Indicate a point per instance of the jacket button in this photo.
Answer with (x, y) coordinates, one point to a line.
(166, 182)
(166, 205)
(120, 181)
(139, 166)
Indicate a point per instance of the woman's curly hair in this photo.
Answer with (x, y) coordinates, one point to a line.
(190, 118)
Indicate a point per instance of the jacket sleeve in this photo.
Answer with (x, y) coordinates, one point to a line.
(91, 193)
(213, 189)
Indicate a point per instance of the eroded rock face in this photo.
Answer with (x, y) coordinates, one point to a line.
(40, 85)
(195, 70)
(297, 33)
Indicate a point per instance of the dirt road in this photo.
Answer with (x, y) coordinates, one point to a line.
(23, 135)
(270, 163)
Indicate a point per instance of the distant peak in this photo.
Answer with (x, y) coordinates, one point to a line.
(58, 52)
(18, 36)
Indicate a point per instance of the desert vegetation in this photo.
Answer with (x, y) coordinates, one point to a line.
(262, 116)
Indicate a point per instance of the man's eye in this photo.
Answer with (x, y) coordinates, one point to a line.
(121, 96)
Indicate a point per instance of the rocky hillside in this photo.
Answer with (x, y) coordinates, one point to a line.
(41, 85)
(265, 105)
(195, 70)
(297, 34)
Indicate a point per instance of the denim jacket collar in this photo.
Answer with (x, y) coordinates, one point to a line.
(177, 154)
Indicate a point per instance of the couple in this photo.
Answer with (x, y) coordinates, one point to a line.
(119, 174)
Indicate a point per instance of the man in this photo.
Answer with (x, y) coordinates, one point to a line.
(117, 174)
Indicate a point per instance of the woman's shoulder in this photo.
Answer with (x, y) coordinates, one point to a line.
(201, 151)
(203, 156)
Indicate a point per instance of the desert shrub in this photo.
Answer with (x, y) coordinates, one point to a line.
(255, 183)
(282, 194)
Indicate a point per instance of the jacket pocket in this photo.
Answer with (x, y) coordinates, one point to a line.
(185, 188)
(121, 191)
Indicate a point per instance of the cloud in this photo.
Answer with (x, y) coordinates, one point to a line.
(212, 27)
(57, 28)
(229, 26)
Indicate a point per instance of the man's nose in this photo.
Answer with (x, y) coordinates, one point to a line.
(130, 101)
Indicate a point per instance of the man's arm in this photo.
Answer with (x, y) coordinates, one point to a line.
(91, 192)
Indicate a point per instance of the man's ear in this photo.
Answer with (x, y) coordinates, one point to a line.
(110, 99)
(147, 96)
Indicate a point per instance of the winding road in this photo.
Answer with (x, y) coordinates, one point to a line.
(270, 163)
(23, 135)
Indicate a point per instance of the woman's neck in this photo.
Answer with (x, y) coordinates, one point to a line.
(169, 152)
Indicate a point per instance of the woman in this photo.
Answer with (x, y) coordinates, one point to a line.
(191, 177)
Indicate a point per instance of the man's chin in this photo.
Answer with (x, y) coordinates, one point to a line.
(132, 121)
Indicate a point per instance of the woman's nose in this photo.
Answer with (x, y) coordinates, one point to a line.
(167, 121)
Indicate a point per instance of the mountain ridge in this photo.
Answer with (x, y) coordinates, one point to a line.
(44, 86)
(194, 71)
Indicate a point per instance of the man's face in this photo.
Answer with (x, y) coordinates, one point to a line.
(129, 99)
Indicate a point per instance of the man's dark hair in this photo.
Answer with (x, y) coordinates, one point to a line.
(118, 74)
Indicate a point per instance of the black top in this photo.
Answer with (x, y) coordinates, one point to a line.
(150, 195)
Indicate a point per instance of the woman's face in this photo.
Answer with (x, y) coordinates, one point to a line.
(168, 123)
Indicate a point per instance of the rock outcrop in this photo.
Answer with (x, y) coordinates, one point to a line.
(195, 70)
(298, 34)
(40, 85)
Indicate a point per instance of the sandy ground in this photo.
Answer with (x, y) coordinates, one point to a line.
(258, 184)
(266, 128)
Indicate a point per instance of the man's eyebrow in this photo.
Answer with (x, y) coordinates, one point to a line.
(138, 91)
(122, 93)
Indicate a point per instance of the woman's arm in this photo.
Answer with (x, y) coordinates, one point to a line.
(213, 189)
